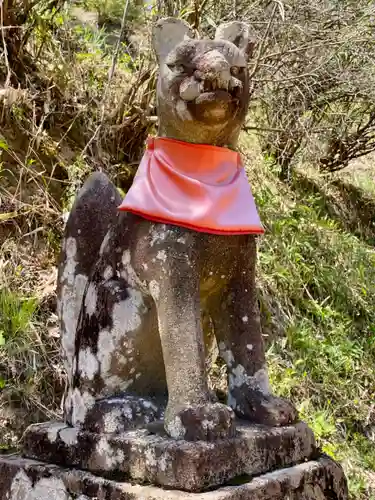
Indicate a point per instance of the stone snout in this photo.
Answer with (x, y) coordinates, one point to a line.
(213, 73)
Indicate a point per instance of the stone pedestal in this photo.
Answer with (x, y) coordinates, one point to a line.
(260, 463)
(150, 456)
(23, 479)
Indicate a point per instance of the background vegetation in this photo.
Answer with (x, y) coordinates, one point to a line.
(77, 95)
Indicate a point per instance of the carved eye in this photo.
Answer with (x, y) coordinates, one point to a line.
(177, 68)
(236, 70)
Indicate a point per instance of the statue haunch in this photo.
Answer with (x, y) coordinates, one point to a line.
(132, 293)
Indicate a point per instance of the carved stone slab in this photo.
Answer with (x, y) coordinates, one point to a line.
(152, 457)
(22, 479)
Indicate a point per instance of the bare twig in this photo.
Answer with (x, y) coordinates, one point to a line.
(5, 50)
(262, 43)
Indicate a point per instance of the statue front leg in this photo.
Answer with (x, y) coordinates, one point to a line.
(190, 414)
(238, 332)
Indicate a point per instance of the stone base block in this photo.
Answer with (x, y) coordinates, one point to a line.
(22, 479)
(150, 456)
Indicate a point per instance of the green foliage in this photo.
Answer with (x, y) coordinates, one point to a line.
(77, 172)
(16, 318)
(30, 377)
(321, 280)
(111, 11)
(16, 314)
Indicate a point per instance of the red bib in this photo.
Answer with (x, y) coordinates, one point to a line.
(196, 186)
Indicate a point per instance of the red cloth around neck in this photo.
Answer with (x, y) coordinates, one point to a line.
(197, 186)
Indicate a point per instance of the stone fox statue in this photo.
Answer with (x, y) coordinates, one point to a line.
(132, 289)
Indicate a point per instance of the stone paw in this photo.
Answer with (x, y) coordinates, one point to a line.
(119, 414)
(207, 422)
(262, 408)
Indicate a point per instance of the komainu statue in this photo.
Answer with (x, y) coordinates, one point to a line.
(138, 279)
(137, 275)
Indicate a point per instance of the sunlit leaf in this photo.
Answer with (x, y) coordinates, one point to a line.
(7, 216)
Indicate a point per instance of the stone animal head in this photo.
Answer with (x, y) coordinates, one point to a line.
(203, 87)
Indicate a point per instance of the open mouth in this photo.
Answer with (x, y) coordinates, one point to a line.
(213, 107)
(210, 91)
(219, 96)
(210, 101)
(209, 86)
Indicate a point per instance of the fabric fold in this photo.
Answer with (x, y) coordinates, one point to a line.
(197, 186)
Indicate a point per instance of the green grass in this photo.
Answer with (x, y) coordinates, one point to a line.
(17, 331)
(317, 284)
(16, 315)
(30, 370)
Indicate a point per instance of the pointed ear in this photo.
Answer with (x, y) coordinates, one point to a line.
(167, 34)
(239, 34)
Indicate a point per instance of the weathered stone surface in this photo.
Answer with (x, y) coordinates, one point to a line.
(132, 292)
(153, 457)
(86, 228)
(122, 413)
(22, 479)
